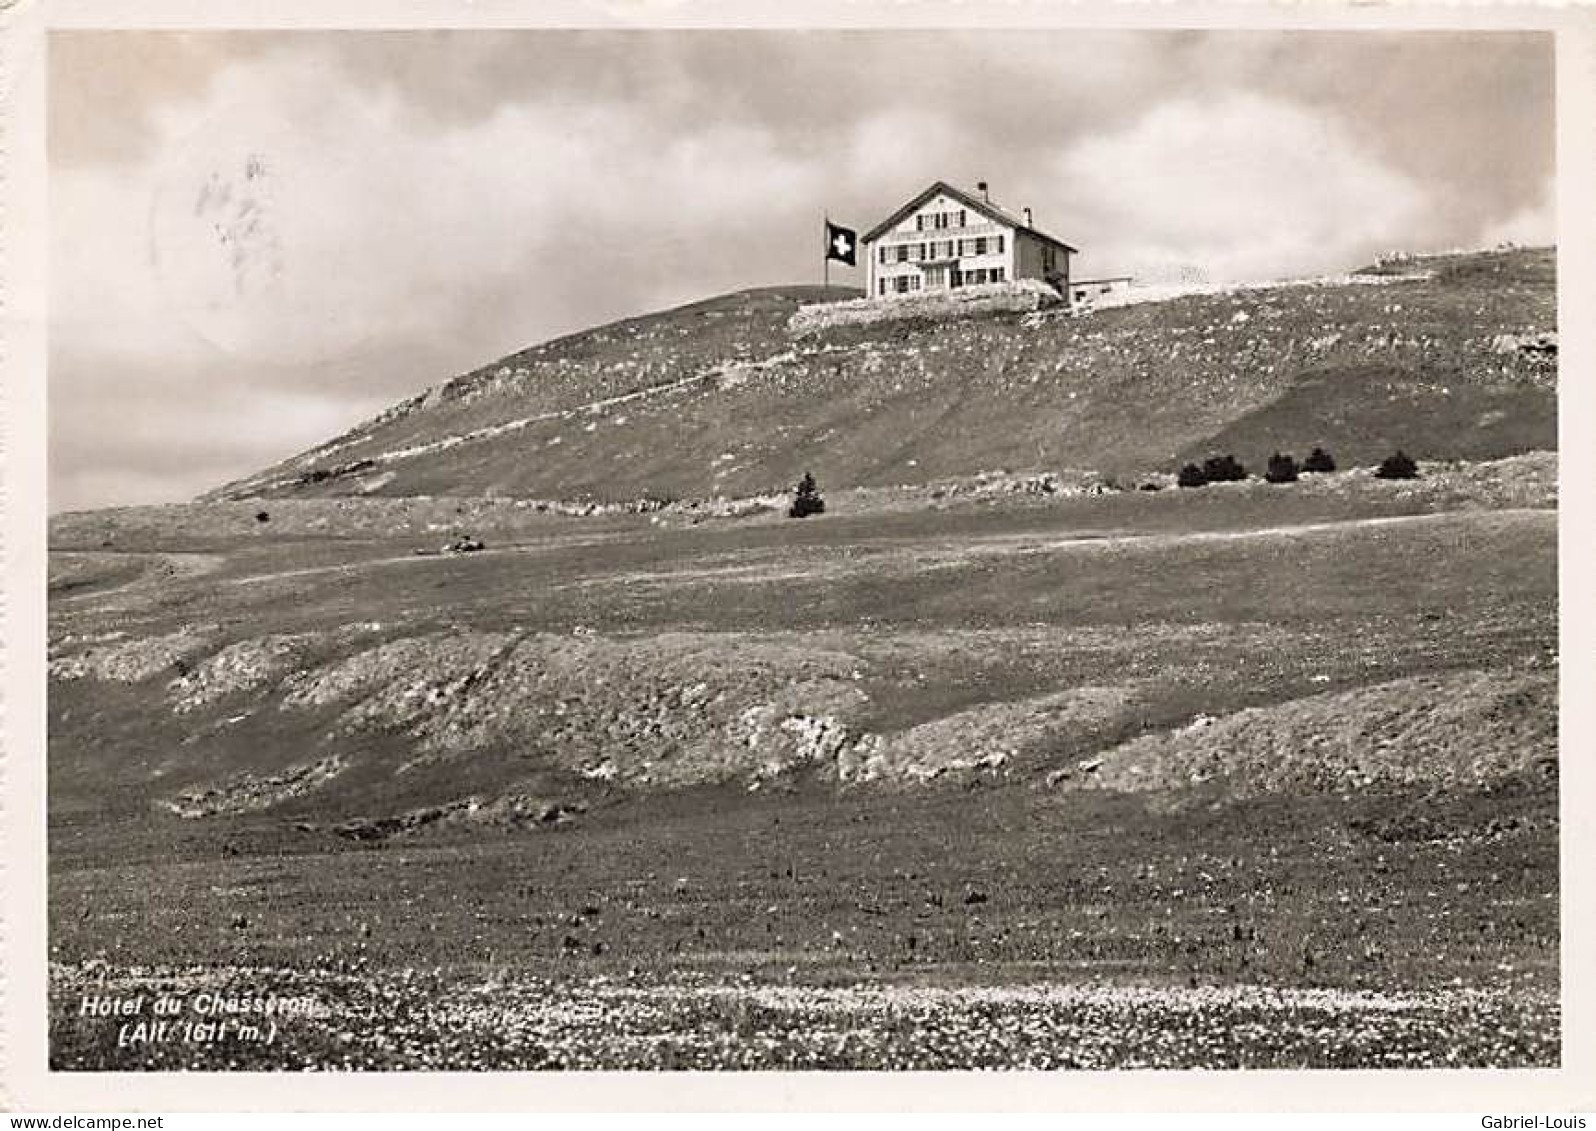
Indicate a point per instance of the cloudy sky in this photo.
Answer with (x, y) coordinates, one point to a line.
(259, 239)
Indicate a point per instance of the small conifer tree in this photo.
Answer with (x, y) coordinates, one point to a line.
(1397, 465)
(1319, 460)
(1191, 476)
(806, 499)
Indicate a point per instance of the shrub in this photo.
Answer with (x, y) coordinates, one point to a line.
(1223, 469)
(1191, 476)
(1397, 465)
(262, 516)
(806, 499)
(1281, 469)
(1319, 460)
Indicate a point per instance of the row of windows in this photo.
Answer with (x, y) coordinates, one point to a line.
(938, 221)
(940, 249)
(938, 277)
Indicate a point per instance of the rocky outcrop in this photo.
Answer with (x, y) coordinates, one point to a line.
(249, 792)
(1458, 729)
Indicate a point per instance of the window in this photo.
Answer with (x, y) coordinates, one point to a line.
(999, 248)
(980, 245)
(961, 218)
(883, 253)
(901, 284)
(923, 255)
(919, 223)
(903, 253)
(997, 274)
(881, 286)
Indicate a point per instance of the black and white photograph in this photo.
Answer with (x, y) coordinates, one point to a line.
(896, 548)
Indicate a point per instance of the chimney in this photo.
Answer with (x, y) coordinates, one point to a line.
(1028, 222)
(980, 186)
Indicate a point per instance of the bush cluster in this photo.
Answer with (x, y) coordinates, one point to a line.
(1223, 469)
(1282, 468)
(1214, 469)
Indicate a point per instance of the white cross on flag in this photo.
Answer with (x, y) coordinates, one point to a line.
(840, 242)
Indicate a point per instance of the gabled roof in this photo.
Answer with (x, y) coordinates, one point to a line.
(969, 200)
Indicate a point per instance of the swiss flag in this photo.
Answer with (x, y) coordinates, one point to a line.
(841, 242)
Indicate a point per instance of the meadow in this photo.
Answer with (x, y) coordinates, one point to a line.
(1246, 776)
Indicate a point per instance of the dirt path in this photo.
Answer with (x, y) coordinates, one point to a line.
(931, 556)
(162, 567)
(913, 554)
(730, 370)
(1292, 529)
(414, 558)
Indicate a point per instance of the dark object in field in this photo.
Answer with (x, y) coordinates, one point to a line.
(465, 544)
(1282, 469)
(973, 897)
(1223, 469)
(262, 516)
(1397, 465)
(806, 499)
(1191, 476)
(1319, 460)
(1150, 486)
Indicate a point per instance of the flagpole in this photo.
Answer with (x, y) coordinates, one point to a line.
(825, 253)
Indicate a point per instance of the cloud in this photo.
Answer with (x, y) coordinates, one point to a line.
(1528, 227)
(1239, 188)
(124, 433)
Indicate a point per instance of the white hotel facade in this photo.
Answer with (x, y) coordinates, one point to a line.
(946, 238)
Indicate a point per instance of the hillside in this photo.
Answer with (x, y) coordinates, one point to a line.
(931, 780)
(1443, 358)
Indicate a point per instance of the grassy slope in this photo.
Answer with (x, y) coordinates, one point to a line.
(938, 613)
(1357, 368)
